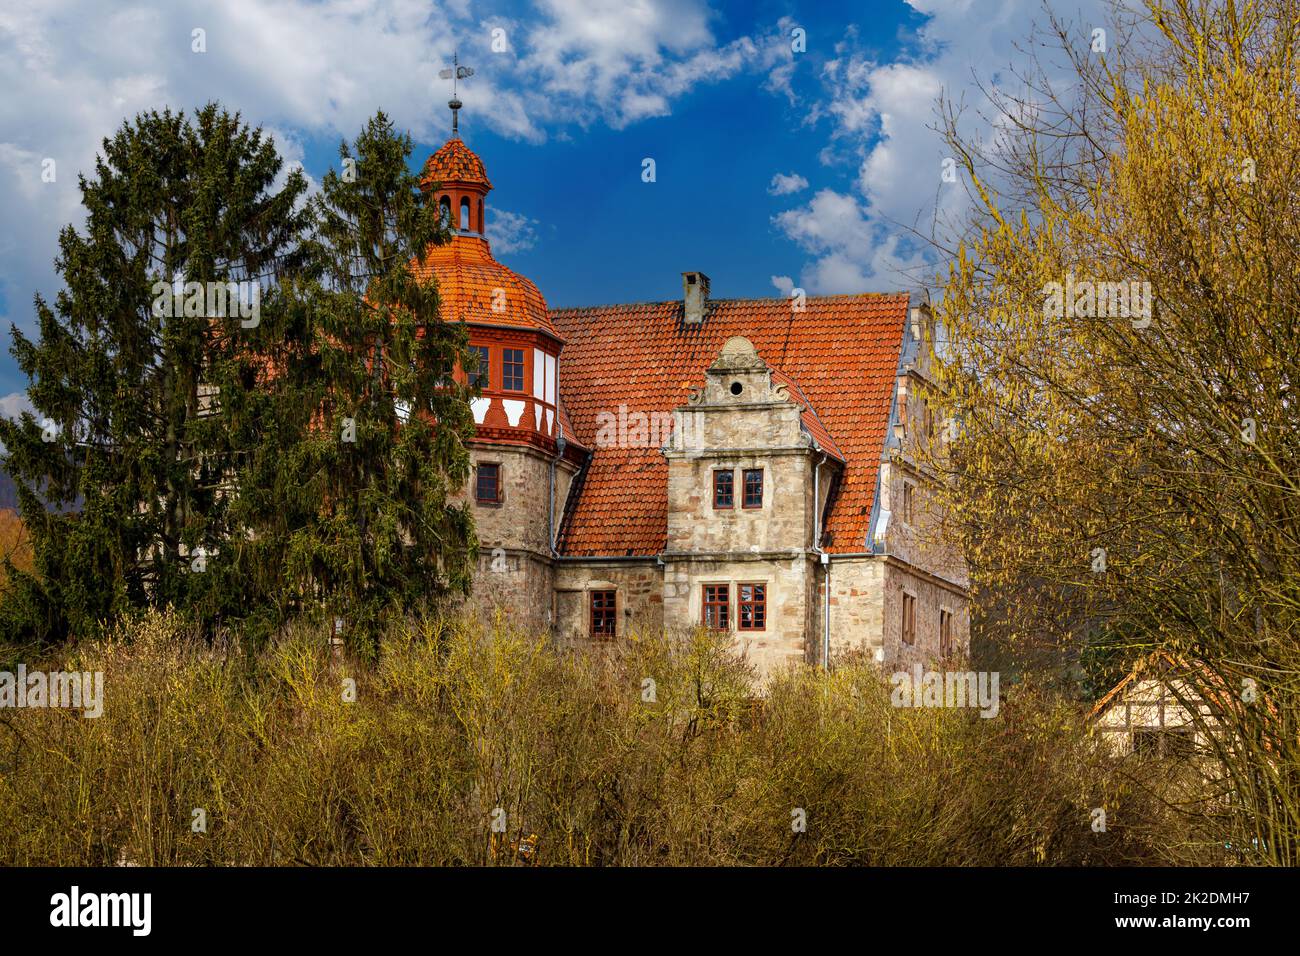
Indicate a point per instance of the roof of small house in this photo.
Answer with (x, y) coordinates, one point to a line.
(1164, 666)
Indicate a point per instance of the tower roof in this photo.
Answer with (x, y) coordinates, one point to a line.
(455, 163)
(471, 283)
(474, 287)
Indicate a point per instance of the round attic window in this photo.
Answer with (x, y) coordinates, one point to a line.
(736, 388)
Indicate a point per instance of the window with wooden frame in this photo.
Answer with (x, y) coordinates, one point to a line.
(717, 606)
(751, 601)
(945, 632)
(909, 618)
(604, 613)
(487, 483)
(512, 370)
(482, 374)
(724, 488)
(752, 488)
(909, 496)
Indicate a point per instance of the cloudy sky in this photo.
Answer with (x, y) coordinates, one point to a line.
(778, 163)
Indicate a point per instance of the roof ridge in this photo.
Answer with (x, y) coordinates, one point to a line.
(766, 299)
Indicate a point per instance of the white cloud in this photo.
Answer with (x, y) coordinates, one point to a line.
(14, 404)
(510, 231)
(830, 221)
(783, 284)
(851, 253)
(74, 70)
(12, 407)
(616, 62)
(783, 184)
(879, 116)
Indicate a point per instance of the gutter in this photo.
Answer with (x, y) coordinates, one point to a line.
(551, 530)
(825, 561)
(578, 558)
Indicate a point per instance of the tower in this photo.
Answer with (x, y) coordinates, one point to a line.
(523, 453)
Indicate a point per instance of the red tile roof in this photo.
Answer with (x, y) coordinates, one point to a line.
(812, 422)
(454, 163)
(841, 355)
(468, 278)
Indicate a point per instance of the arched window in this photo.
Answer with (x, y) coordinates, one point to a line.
(482, 227)
(444, 205)
(464, 213)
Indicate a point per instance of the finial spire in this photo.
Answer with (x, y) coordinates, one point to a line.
(454, 73)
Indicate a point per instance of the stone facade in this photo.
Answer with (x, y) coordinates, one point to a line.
(638, 584)
(516, 564)
(744, 418)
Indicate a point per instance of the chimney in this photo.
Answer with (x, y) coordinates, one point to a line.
(695, 295)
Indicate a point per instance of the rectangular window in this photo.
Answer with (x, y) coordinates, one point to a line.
(724, 489)
(909, 619)
(1179, 742)
(717, 606)
(752, 601)
(945, 632)
(1146, 742)
(512, 370)
(603, 613)
(753, 493)
(908, 496)
(487, 484)
(1173, 742)
(482, 375)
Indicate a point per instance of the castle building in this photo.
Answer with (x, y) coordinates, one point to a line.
(742, 464)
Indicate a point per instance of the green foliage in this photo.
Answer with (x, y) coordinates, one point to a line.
(378, 530)
(171, 200)
(188, 435)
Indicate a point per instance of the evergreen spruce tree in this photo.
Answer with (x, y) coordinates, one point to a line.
(130, 370)
(378, 531)
(242, 466)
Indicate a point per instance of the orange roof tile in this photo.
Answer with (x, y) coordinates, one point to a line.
(812, 423)
(454, 163)
(468, 279)
(841, 355)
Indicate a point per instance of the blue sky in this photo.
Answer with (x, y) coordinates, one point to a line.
(775, 168)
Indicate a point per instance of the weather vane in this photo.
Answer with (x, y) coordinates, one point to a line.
(455, 73)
